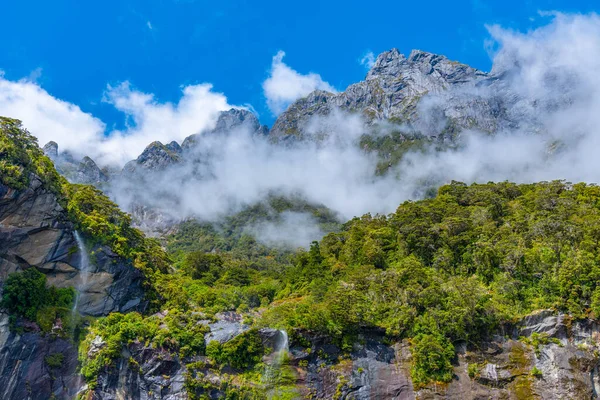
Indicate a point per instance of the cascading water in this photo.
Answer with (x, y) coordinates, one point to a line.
(284, 347)
(84, 271)
(277, 373)
(80, 284)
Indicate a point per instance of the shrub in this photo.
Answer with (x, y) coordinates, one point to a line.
(241, 352)
(432, 359)
(26, 295)
(473, 370)
(54, 360)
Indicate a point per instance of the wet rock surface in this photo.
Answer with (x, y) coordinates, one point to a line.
(36, 233)
(24, 372)
(143, 372)
(228, 325)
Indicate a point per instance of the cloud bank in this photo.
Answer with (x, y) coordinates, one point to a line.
(546, 82)
(285, 85)
(49, 118)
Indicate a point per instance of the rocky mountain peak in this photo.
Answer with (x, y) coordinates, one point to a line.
(88, 172)
(174, 147)
(388, 63)
(235, 118)
(230, 120)
(77, 170)
(156, 148)
(156, 156)
(51, 149)
(393, 64)
(393, 89)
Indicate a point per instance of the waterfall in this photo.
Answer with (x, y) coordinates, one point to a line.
(277, 371)
(284, 346)
(281, 350)
(84, 271)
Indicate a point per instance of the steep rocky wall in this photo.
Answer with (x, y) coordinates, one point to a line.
(24, 373)
(567, 361)
(36, 233)
(503, 368)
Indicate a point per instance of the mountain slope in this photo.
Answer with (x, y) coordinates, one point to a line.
(40, 214)
(482, 290)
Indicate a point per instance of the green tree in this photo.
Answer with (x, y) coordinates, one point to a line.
(432, 359)
(25, 293)
(198, 263)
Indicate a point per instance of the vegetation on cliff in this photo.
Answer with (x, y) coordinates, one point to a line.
(20, 156)
(448, 269)
(437, 271)
(90, 211)
(26, 295)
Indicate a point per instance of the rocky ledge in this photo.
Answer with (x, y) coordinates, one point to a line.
(35, 232)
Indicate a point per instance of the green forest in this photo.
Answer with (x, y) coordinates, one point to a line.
(453, 268)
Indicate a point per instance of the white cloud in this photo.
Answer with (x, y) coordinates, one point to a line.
(196, 111)
(285, 85)
(551, 78)
(368, 60)
(149, 25)
(49, 118)
(291, 230)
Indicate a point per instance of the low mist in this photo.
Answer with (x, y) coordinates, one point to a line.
(544, 96)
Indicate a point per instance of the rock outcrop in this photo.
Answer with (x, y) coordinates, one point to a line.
(557, 359)
(155, 157)
(25, 372)
(144, 372)
(84, 171)
(391, 90)
(235, 119)
(35, 232)
(89, 173)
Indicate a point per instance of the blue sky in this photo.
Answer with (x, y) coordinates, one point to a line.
(73, 49)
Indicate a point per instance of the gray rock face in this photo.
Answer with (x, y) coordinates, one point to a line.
(157, 374)
(151, 220)
(568, 366)
(35, 233)
(85, 171)
(24, 374)
(89, 173)
(229, 325)
(229, 121)
(51, 150)
(392, 89)
(155, 157)
(373, 371)
(544, 322)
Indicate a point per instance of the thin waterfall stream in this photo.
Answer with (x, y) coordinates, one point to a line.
(81, 280)
(276, 371)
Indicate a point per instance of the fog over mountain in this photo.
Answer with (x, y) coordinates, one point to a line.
(532, 117)
(420, 234)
